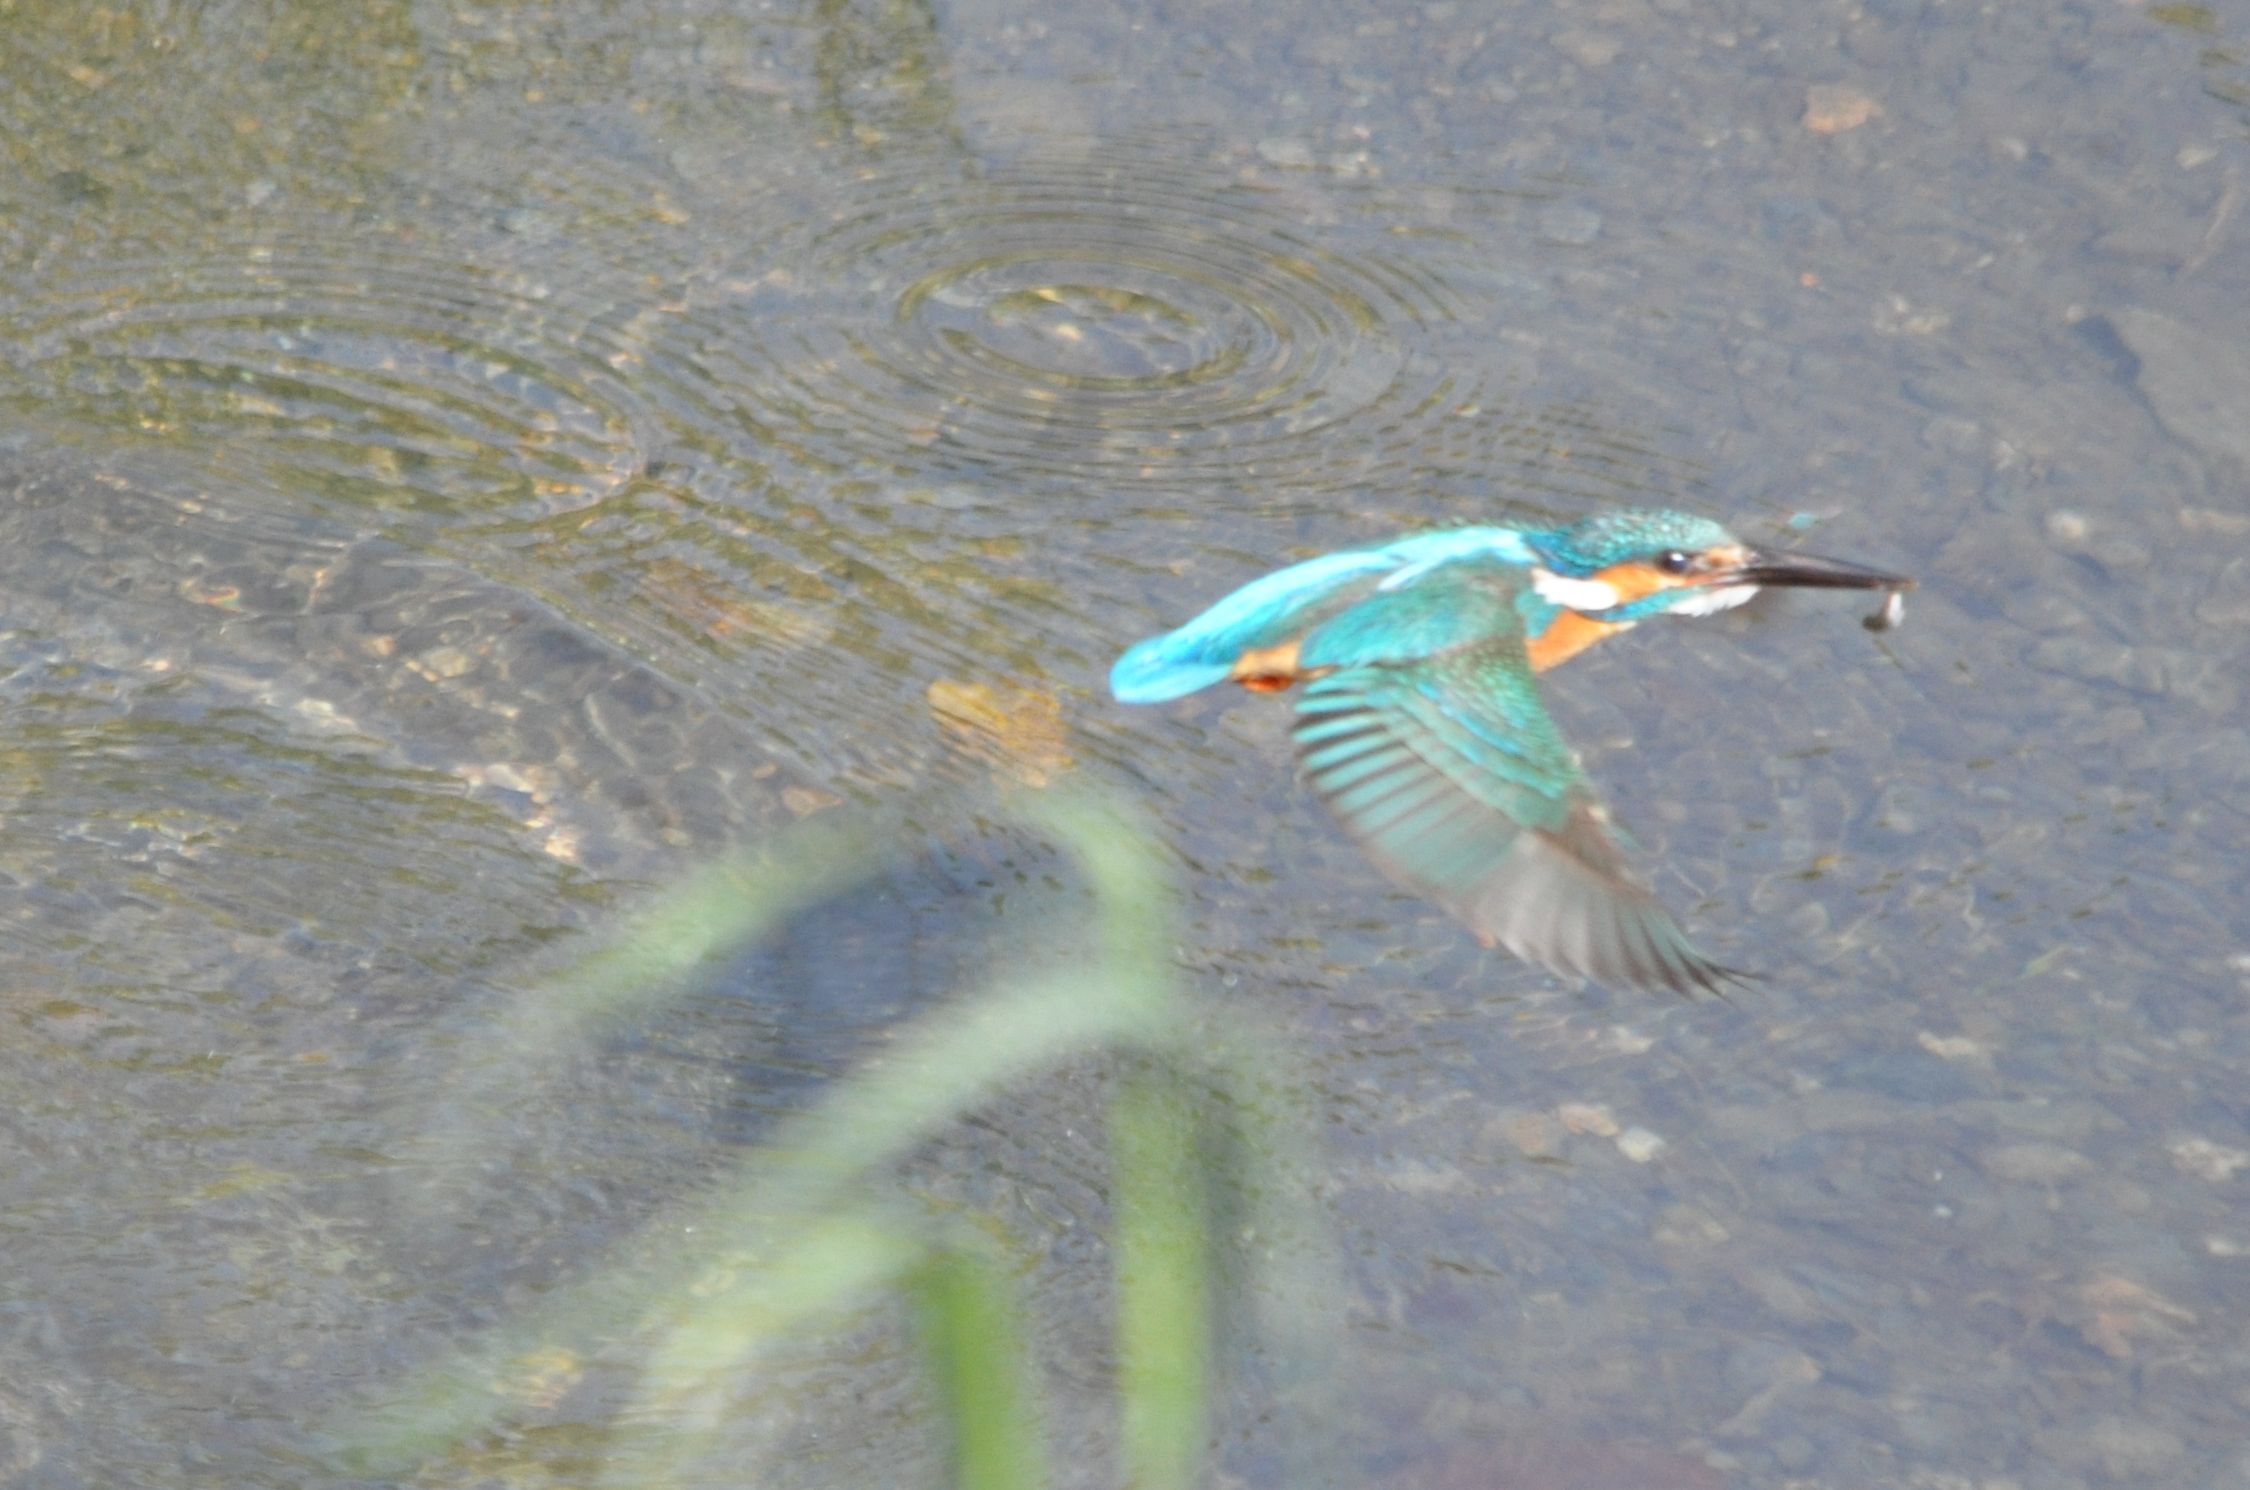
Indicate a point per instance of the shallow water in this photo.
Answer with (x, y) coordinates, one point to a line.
(462, 468)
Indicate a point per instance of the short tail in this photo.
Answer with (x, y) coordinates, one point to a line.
(1155, 670)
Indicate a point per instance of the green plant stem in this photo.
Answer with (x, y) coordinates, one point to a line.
(1163, 1280)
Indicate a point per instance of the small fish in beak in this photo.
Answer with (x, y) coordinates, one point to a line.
(1888, 614)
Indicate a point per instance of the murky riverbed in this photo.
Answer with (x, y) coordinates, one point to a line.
(460, 467)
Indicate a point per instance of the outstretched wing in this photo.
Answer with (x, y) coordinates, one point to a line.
(1440, 760)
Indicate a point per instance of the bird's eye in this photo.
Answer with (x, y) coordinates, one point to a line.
(1674, 561)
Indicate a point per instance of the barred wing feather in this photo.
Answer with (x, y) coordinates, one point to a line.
(1451, 776)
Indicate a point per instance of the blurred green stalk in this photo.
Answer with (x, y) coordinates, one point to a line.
(1163, 1280)
(806, 1231)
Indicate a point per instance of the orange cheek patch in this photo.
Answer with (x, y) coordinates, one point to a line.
(1633, 580)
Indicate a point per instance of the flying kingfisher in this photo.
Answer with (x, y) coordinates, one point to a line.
(1420, 721)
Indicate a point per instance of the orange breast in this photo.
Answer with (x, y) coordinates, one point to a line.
(1567, 635)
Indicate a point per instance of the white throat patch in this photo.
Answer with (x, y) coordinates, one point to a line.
(1573, 594)
(1712, 599)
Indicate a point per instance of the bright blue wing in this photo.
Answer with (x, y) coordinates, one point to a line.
(1429, 741)
(1285, 605)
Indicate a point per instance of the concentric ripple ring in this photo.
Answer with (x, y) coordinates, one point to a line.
(363, 378)
(1072, 317)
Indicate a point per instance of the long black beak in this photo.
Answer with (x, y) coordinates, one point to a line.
(1766, 567)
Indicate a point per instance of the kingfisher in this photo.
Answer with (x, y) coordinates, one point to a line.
(1419, 720)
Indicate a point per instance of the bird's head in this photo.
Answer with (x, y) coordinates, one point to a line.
(1625, 566)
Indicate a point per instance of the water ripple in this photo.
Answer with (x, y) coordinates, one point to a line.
(1078, 317)
(373, 380)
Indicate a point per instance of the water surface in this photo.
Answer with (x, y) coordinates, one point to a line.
(462, 468)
